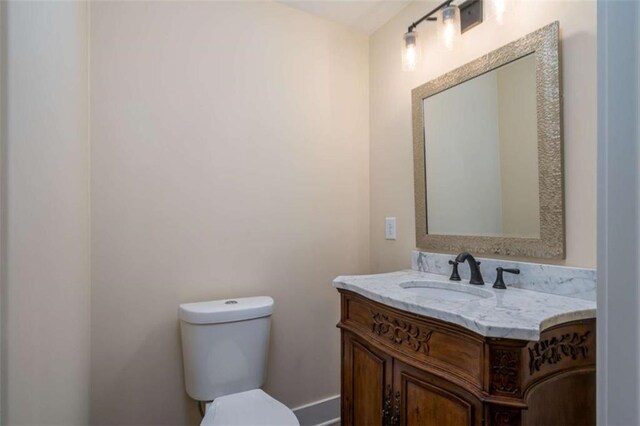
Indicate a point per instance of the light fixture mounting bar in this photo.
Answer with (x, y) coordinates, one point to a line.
(428, 17)
(470, 14)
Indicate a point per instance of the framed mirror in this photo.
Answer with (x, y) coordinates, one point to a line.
(488, 153)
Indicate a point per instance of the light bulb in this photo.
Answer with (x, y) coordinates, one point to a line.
(499, 7)
(449, 26)
(410, 51)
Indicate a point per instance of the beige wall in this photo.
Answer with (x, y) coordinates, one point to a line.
(391, 173)
(45, 185)
(229, 158)
(217, 171)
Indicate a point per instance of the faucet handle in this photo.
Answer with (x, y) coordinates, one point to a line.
(455, 276)
(499, 283)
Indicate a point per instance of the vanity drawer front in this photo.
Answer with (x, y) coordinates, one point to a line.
(444, 348)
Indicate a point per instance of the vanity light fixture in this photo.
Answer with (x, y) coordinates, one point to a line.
(499, 6)
(452, 20)
(449, 26)
(411, 51)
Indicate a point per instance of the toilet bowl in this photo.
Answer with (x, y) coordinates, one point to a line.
(254, 407)
(224, 348)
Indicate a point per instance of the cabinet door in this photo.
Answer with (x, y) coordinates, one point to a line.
(366, 382)
(427, 400)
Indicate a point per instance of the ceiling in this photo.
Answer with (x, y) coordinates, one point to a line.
(362, 15)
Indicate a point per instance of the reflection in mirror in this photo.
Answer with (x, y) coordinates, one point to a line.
(481, 155)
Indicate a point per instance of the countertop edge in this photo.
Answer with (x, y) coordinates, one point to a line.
(516, 333)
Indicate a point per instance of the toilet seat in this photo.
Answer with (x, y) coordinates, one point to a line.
(250, 408)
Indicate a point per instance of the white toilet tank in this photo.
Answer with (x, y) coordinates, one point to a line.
(224, 345)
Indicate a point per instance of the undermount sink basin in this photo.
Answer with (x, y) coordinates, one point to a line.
(445, 291)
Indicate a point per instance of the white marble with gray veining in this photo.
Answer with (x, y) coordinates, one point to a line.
(513, 313)
(554, 279)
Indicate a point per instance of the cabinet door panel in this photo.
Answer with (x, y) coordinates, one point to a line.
(555, 401)
(430, 401)
(429, 406)
(367, 373)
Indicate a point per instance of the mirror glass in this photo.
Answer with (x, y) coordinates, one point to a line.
(481, 155)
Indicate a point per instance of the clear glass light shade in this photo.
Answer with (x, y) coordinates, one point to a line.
(449, 26)
(410, 51)
(499, 6)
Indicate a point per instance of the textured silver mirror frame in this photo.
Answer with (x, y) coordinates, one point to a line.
(551, 244)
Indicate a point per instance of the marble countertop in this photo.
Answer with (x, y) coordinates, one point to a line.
(513, 313)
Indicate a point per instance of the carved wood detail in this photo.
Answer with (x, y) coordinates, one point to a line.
(551, 351)
(399, 332)
(503, 416)
(387, 416)
(504, 370)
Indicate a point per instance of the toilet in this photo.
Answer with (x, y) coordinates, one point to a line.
(224, 347)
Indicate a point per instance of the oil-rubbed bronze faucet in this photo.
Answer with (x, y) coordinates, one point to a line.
(476, 276)
(499, 283)
(455, 276)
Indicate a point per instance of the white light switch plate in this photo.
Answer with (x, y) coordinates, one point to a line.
(390, 228)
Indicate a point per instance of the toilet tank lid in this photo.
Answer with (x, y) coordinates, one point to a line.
(226, 310)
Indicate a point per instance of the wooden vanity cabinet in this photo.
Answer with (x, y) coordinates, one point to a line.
(400, 368)
(367, 381)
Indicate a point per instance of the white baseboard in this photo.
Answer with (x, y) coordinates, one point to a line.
(319, 413)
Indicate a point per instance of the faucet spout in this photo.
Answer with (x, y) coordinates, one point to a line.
(474, 266)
